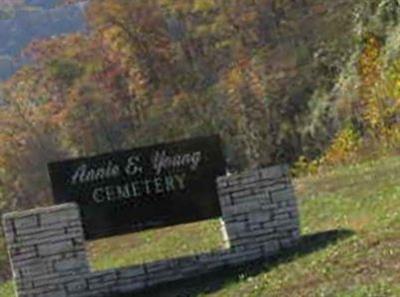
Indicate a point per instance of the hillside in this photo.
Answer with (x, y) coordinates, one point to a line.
(30, 21)
(279, 81)
(350, 220)
(294, 35)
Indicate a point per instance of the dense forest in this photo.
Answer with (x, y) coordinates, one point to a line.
(308, 82)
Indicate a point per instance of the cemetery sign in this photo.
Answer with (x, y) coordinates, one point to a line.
(155, 186)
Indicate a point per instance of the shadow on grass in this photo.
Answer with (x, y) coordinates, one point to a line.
(217, 280)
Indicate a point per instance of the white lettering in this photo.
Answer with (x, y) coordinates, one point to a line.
(140, 189)
(97, 197)
(110, 193)
(162, 161)
(169, 184)
(123, 191)
(147, 186)
(85, 175)
(158, 186)
(134, 187)
(180, 178)
(133, 167)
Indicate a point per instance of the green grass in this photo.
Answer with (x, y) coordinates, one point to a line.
(158, 244)
(363, 198)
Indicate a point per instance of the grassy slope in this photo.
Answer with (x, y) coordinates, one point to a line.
(363, 198)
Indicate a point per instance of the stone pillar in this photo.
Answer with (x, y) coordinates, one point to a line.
(47, 250)
(259, 210)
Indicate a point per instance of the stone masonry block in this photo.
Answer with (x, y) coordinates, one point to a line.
(241, 194)
(253, 197)
(16, 251)
(54, 279)
(131, 272)
(27, 222)
(58, 293)
(225, 200)
(277, 187)
(260, 216)
(55, 248)
(270, 247)
(39, 211)
(36, 268)
(284, 194)
(72, 264)
(44, 238)
(77, 286)
(62, 216)
(103, 276)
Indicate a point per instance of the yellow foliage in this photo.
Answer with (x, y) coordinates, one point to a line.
(370, 71)
(303, 167)
(204, 5)
(344, 147)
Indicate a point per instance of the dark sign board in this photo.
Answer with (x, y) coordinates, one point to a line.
(138, 189)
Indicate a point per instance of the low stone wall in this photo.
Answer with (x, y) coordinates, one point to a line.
(47, 246)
